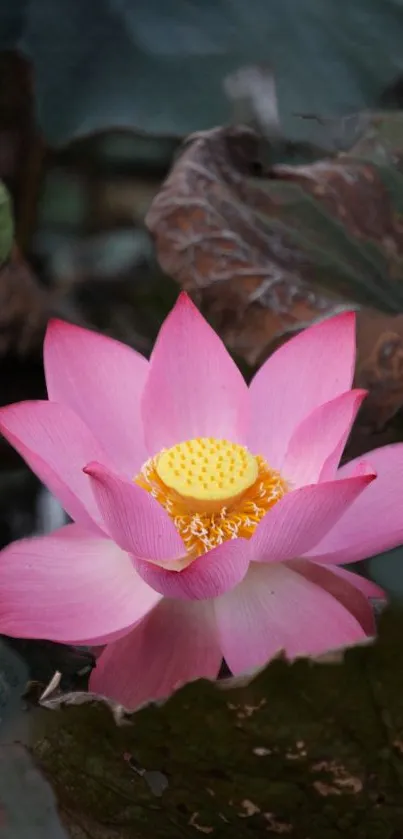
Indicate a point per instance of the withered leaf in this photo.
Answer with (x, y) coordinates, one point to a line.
(267, 251)
(314, 746)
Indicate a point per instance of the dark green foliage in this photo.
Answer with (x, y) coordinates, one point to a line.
(13, 680)
(6, 225)
(123, 62)
(314, 751)
(27, 806)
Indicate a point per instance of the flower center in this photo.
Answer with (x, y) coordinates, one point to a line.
(208, 473)
(213, 490)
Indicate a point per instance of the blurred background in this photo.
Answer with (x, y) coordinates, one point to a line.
(282, 206)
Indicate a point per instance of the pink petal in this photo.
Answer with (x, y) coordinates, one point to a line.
(70, 586)
(275, 609)
(194, 389)
(102, 381)
(374, 522)
(343, 588)
(174, 644)
(301, 518)
(312, 368)
(132, 518)
(317, 444)
(56, 445)
(368, 587)
(207, 576)
(98, 643)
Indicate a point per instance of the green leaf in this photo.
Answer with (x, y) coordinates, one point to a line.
(309, 750)
(386, 569)
(6, 225)
(116, 63)
(13, 680)
(27, 805)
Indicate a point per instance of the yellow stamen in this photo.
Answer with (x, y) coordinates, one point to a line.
(212, 489)
(207, 473)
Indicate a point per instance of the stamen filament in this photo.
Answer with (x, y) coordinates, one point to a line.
(226, 501)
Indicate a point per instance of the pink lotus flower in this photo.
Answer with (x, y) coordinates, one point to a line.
(210, 519)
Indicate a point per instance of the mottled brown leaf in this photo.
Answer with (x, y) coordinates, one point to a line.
(310, 750)
(267, 251)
